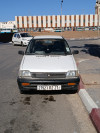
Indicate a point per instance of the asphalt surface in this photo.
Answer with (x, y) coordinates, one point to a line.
(36, 112)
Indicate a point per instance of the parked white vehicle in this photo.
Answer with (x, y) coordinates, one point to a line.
(21, 39)
(48, 64)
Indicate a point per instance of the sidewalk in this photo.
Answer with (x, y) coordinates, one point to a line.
(91, 78)
(90, 92)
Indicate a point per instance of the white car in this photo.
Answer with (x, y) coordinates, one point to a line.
(21, 39)
(48, 64)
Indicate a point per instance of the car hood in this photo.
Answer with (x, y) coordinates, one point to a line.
(27, 38)
(52, 63)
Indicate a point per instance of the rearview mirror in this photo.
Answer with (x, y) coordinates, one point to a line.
(75, 52)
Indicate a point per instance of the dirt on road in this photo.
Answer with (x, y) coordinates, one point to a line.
(70, 34)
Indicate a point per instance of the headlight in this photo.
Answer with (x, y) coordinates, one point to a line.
(24, 73)
(72, 73)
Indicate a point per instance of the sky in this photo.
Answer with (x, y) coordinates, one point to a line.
(11, 8)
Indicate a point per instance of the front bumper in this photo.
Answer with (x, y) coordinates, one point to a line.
(62, 82)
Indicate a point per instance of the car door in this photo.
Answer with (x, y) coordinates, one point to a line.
(14, 39)
(18, 39)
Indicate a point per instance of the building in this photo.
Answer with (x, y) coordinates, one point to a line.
(97, 7)
(29, 23)
(7, 25)
(67, 22)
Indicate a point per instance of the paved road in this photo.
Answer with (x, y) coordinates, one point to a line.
(36, 113)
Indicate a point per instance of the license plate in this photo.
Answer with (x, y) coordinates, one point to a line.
(49, 87)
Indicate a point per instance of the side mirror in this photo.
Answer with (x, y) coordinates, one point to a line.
(75, 52)
(21, 52)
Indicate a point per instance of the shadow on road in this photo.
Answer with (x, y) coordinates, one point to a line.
(1, 43)
(49, 92)
(92, 49)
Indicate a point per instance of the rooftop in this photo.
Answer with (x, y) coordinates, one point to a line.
(48, 37)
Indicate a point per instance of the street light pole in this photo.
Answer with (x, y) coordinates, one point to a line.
(61, 6)
(61, 16)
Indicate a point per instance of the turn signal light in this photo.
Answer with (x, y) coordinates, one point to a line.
(71, 83)
(25, 84)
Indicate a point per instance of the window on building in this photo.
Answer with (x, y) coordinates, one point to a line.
(69, 21)
(41, 21)
(23, 29)
(27, 29)
(65, 21)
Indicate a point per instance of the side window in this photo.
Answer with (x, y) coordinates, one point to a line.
(15, 35)
(67, 47)
(18, 36)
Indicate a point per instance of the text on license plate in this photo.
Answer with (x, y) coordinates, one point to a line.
(48, 87)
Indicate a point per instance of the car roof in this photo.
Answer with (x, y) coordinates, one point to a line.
(48, 37)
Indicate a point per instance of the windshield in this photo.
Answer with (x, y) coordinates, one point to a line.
(25, 35)
(48, 47)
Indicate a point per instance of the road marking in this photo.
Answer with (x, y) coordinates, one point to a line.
(83, 60)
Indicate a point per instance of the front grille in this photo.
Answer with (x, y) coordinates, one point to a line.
(48, 75)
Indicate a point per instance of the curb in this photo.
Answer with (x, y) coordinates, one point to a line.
(78, 39)
(91, 106)
(95, 117)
